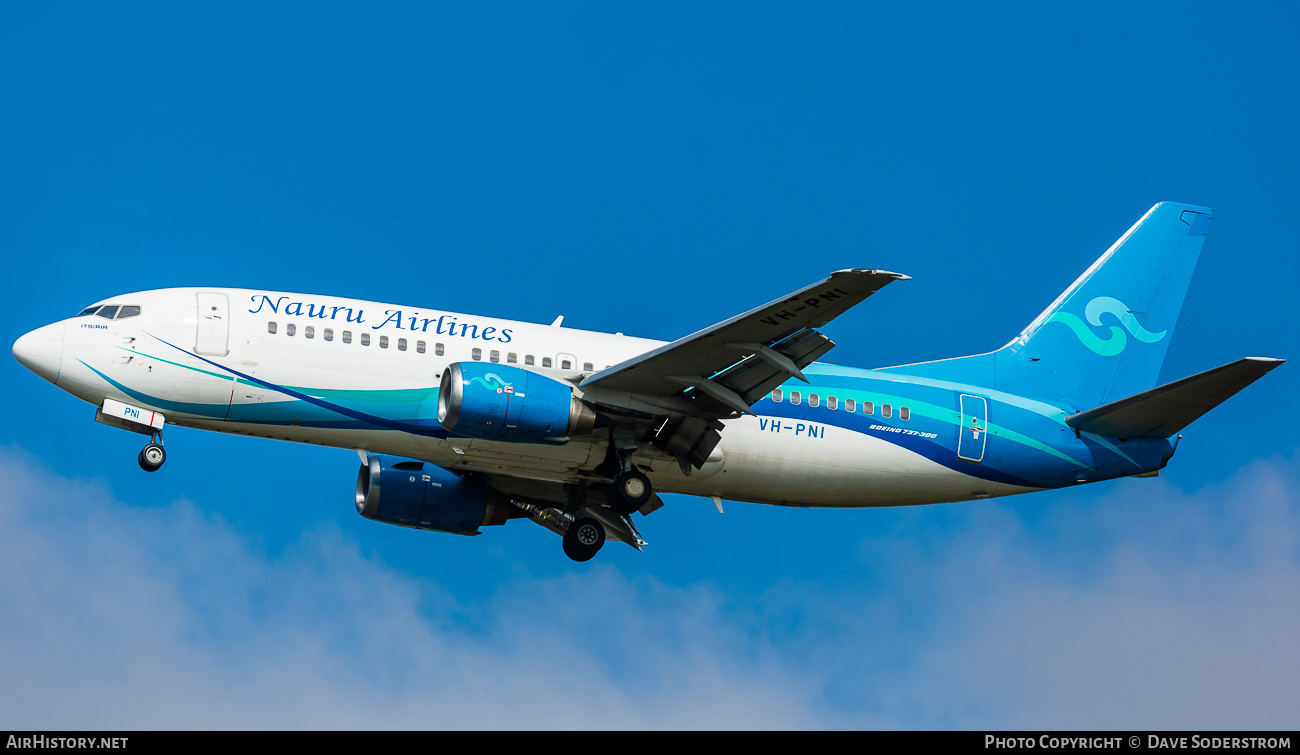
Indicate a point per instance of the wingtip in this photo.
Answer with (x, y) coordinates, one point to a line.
(864, 271)
(1185, 206)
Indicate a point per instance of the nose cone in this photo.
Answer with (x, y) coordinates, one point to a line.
(41, 351)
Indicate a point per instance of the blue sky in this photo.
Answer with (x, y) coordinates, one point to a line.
(651, 170)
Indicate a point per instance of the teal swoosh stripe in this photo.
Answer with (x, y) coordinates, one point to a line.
(379, 395)
(394, 395)
(946, 415)
(217, 411)
(168, 361)
(384, 422)
(317, 396)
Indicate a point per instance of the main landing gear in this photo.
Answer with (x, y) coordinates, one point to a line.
(630, 492)
(584, 539)
(631, 489)
(610, 513)
(153, 455)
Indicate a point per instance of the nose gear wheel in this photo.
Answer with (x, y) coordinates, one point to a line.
(152, 457)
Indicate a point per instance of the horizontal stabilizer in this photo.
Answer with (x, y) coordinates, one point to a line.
(1164, 410)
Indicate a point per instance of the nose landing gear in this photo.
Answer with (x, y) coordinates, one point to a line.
(153, 455)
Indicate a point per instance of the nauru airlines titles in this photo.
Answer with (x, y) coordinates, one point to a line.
(463, 422)
(392, 318)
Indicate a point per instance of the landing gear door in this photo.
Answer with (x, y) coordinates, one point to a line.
(974, 428)
(214, 325)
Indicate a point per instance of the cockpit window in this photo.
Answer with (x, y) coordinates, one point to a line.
(111, 311)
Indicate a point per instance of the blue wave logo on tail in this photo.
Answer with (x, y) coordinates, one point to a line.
(1113, 344)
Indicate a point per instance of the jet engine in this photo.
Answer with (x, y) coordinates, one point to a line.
(426, 497)
(504, 403)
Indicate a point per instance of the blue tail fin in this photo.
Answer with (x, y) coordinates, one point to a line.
(1106, 336)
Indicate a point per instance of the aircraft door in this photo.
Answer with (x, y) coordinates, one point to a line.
(213, 338)
(974, 428)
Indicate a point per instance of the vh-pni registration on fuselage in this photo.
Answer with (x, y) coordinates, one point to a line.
(463, 422)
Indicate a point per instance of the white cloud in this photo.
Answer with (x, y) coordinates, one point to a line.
(1135, 606)
(122, 617)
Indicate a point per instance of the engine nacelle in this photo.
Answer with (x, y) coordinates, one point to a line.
(425, 496)
(500, 402)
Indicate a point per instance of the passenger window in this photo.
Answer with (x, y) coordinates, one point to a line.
(347, 336)
(88, 311)
(365, 339)
(512, 358)
(566, 365)
(587, 366)
(309, 331)
(528, 359)
(107, 312)
(290, 329)
(328, 334)
(850, 405)
(546, 361)
(904, 413)
(832, 402)
(776, 395)
(868, 407)
(383, 342)
(128, 311)
(419, 347)
(477, 355)
(270, 328)
(494, 356)
(886, 411)
(794, 397)
(814, 399)
(437, 349)
(401, 344)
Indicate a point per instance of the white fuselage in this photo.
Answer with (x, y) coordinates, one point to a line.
(375, 353)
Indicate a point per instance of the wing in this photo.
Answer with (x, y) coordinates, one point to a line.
(719, 372)
(725, 368)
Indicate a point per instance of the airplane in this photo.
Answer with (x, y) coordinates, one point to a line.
(464, 421)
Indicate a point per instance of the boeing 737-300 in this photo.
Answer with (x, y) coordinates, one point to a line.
(465, 421)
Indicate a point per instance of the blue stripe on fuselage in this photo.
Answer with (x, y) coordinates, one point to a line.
(1028, 442)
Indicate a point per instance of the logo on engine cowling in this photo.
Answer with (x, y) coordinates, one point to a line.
(493, 382)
